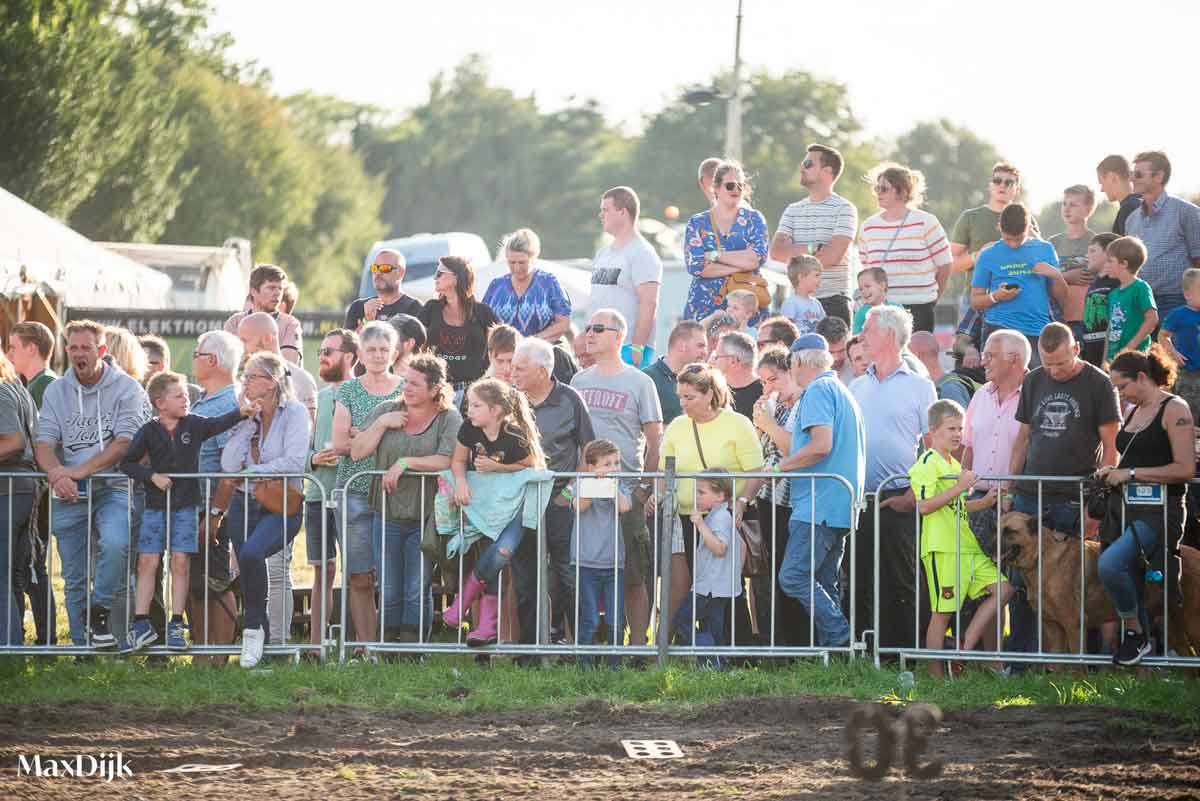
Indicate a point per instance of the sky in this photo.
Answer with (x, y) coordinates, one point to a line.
(1055, 84)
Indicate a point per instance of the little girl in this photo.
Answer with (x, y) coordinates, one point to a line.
(600, 552)
(498, 436)
(718, 574)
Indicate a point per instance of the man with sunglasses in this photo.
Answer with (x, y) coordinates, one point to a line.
(387, 272)
(824, 225)
(266, 296)
(1168, 225)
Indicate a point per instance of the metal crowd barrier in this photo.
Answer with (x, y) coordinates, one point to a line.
(121, 619)
(1038, 656)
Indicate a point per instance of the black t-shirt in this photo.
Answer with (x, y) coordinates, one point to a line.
(1095, 320)
(1130, 203)
(745, 397)
(405, 304)
(464, 347)
(509, 447)
(1064, 418)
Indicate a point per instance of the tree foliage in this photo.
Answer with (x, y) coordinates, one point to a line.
(957, 165)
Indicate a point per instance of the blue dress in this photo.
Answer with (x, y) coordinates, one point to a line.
(749, 230)
(532, 312)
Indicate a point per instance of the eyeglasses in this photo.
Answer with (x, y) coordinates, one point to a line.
(881, 189)
(384, 268)
(722, 356)
(331, 351)
(262, 376)
(196, 354)
(733, 186)
(1005, 182)
(599, 328)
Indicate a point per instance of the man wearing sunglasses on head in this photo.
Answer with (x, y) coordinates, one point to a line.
(266, 294)
(387, 271)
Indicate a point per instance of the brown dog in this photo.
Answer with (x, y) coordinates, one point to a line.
(1060, 580)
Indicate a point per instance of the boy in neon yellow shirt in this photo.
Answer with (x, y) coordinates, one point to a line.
(947, 544)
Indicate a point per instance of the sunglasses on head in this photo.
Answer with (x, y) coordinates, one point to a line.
(692, 369)
(733, 186)
(384, 268)
(1005, 182)
(600, 328)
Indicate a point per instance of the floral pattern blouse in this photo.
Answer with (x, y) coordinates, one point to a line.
(749, 230)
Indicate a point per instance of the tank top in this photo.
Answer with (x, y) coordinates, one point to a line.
(1148, 447)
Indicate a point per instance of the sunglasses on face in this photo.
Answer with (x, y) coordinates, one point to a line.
(807, 163)
(733, 186)
(196, 354)
(1138, 174)
(1005, 182)
(599, 328)
(330, 351)
(384, 268)
(881, 189)
(439, 273)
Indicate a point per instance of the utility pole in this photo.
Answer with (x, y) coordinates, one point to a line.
(733, 106)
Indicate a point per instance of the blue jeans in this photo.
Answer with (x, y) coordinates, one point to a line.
(110, 538)
(711, 614)
(596, 583)
(11, 602)
(1121, 571)
(498, 553)
(822, 546)
(1058, 515)
(257, 534)
(404, 577)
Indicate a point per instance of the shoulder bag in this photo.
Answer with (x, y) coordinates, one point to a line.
(750, 531)
(276, 495)
(740, 280)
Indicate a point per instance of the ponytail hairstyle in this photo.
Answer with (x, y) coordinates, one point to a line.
(1157, 364)
(513, 408)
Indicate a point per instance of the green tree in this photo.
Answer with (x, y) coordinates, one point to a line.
(956, 162)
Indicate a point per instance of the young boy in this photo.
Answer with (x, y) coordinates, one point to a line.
(1132, 314)
(743, 305)
(172, 440)
(718, 569)
(1078, 203)
(802, 307)
(1094, 341)
(599, 553)
(948, 548)
(872, 290)
(1180, 335)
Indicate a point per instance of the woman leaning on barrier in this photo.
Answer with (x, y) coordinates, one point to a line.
(18, 428)
(1156, 447)
(415, 433)
(271, 442)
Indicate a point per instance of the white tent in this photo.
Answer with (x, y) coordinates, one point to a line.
(39, 253)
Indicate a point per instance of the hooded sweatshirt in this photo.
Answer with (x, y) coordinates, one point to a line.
(79, 421)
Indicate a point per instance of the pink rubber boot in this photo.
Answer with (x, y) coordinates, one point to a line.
(485, 632)
(453, 614)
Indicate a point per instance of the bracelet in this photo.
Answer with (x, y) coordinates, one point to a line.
(992, 298)
(401, 463)
(638, 348)
(566, 493)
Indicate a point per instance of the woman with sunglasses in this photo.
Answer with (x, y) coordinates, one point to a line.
(528, 298)
(728, 239)
(273, 442)
(908, 243)
(457, 324)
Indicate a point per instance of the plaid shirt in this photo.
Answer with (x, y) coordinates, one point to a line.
(1171, 233)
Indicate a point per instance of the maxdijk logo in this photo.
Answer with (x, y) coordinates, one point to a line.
(105, 766)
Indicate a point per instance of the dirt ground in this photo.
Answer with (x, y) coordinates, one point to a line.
(761, 748)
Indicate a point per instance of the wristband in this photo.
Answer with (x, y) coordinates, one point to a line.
(566, 493)
(637, 348)
(401, 463)
(992, 298)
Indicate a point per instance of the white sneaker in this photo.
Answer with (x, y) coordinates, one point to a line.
(252, 646)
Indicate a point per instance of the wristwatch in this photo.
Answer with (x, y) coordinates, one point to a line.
(216, 511)
(712, 255)
(1133, 474)
(744, 499)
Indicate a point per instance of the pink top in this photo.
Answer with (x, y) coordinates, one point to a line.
(990, 431)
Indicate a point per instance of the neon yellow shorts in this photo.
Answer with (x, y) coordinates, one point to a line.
(978, 573)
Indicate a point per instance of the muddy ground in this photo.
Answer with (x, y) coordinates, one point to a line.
(759, 748)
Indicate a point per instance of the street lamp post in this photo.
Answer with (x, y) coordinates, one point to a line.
(733, 105)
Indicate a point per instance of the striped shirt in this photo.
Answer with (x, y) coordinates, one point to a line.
(814, 224)
(1171, 233)
(918, 247)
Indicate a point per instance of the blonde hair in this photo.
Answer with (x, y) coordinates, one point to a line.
(908, 183)
(127, 353)
(743, 298)
(8, 373)
(522, 240)
(705, 378)
(943, 410)
(802, 265)
(273, 365)
(513, 406)
(161, 382)
(1189, 278)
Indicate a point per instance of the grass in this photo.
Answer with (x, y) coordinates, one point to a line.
(456, 685)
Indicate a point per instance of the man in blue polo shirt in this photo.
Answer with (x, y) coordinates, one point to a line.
(1015, 278)
(827, 437)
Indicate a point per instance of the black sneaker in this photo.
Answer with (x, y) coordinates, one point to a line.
(1134, 645)
(102, 636)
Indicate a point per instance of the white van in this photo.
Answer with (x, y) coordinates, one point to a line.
(421, 253)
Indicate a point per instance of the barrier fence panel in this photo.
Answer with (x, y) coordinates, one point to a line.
(1072, 632)
(93, 541)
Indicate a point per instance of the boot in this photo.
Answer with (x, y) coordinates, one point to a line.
(453, 614)
(485, 632)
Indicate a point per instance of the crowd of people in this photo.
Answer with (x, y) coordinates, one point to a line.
(435, 418)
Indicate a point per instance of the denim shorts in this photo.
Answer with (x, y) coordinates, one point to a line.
(359, 552)
(185, 536)
(312, 532)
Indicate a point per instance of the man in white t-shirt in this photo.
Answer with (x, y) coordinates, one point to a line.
(823, 224)
(626, 274)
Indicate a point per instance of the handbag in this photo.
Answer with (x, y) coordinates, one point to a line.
(750, 531)
(276, 495)
(740, 280)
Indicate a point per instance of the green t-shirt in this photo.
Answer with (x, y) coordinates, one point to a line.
(37, 387)
(322, 434)
(360, 403)
(1127, 308)
(939, 531)
(860, 315)
(976, 227)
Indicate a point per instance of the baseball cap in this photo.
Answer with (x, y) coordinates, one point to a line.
(809, 342)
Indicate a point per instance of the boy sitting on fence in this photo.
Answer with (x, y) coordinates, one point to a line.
(954, 562)
(172, 440)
